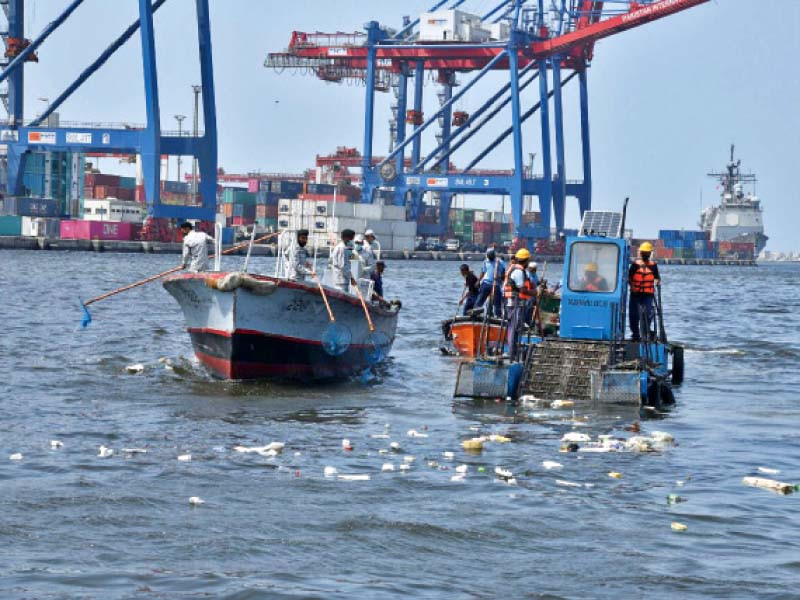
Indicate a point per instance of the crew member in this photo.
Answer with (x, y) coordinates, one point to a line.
(341, 255)
(471, 288)
(533, 278)
(195, 248)
(370, 251)
(643, 278)
(494, 270)
(518, 293)
(592, 281)
(377, 281)
(296, 256)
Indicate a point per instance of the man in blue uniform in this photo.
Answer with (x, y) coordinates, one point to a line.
(492, 277)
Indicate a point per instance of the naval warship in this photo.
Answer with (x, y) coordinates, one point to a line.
(739, 216)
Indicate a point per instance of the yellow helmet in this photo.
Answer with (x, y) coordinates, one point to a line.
(522, 254)
(592, 267)
(646, 247)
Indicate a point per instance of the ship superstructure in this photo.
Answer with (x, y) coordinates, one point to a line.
(739, 217)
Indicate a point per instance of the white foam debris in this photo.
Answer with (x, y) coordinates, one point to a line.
(405, 467)
(134, 369)
(196, 501)
(566, 483)
(270, 450)
(330, 471)
(135, 450)
(416, 434)
(380, 436)
(462, 468)
(15, 456)
(551, 464)
(408, 458)
(457, 478)
(449, 455)
(768, 471)
(387, 467)
(639, 443)
(105, 452)
(354, 477)
(574, 436)
(185, 457)
(56, 444)
(503, 473)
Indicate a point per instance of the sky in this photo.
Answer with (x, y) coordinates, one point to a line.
(666, 99)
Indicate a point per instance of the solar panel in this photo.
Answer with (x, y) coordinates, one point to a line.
(607, 224)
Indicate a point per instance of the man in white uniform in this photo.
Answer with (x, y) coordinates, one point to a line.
(369, 252)
(341, 255)
(195, 248)
(297, 260)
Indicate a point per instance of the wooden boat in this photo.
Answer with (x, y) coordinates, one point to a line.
(247, 326)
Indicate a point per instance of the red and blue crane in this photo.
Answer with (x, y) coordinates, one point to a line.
(549, 46)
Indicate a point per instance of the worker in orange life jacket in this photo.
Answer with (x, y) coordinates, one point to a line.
(518, 291)
(592, 281)
(643, 278)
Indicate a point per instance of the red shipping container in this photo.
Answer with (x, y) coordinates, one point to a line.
(272, 211)
(93, 179)
(96, 230)
(252, 185)
(99, 192)
(125, 194)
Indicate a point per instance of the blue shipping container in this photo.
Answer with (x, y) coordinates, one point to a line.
(227, 235)
(176, 187)
(33, 207)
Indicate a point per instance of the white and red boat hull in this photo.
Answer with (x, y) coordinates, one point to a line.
(275, 332)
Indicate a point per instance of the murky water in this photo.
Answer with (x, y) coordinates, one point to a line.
(75, 525)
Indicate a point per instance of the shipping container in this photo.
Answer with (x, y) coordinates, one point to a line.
(32, 207)
(128, 183)
(176, 187)
(286, 189)
(97, 230)
(10, 225)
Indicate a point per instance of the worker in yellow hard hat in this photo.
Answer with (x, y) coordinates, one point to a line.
(643, 277)
(518, 292)
(592, 280)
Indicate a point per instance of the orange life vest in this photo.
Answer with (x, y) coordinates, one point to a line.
(643, 278)
(592, 287)
(526, 292)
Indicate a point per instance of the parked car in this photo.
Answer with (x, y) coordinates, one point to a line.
(452, 245)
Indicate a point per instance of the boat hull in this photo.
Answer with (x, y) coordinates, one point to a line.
(275, 329)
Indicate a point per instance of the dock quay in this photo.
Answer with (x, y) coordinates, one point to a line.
(44, 243)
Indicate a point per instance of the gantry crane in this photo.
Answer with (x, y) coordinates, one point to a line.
(538, 43)
(148, 141)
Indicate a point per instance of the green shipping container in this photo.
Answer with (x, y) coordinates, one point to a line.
(128, 183)
(234, 196)
(10, 225)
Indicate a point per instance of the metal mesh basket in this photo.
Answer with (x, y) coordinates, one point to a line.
(615, 387)
(482, 380)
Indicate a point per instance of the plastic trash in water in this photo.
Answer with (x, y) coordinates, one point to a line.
(196, 501)
(185, 457)
(551, 464)
(135, 369)
(662, 437)
(330, 471)
(462, 468)
(503, 473)
(615, 475)
(778, 487)
(395, 447)
(639, 444)
(405, 467)
(387, 467)
(565, 483)
(383, 451)
(346, 445)
(380, 436)
(678, 526)
(768, 471)
(416, 434)
(457, 478)
(675, 499)
(271, 449)
(353, 477)
(473, 445)
(56, 444)
(559, 404)
(500, 439)
(105, 452)
(448, 455)
(135, 450)
(574, 436)
(15, 456)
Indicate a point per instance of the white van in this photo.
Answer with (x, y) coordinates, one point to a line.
(452, 245)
